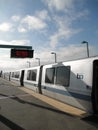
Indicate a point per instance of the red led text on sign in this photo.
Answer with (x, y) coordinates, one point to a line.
(22, 53)
(18, 53)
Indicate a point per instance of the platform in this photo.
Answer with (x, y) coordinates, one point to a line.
(22, 109)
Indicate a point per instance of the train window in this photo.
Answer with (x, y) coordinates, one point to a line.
(28, 75)
(31, 75)
(16, 74)
(49, 77)
(12, 74)
(63, 75)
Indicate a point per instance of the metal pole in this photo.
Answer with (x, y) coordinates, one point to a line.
(38, 61)
(55, 56)
(29, 63)
(85, 42)
(87, 50)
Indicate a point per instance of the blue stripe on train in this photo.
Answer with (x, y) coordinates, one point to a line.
(68, 93)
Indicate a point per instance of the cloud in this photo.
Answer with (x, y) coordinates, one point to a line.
(43, 14)
(5, 27)
(22, 29)
(59, 5)
(64, 26)
(15, 42)
(63, 5)
(31, 23)
(64, 23)
(15, 18)
(20, 42)
(14, 64)
(64, 53)
(71, 52)
(63, 33)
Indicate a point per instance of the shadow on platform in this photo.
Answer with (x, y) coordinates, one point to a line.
(40, 106)
(10, 124)
(92, 119)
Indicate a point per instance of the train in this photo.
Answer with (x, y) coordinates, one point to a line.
(72, 82)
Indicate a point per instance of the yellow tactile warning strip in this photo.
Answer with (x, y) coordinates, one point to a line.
(59, 105)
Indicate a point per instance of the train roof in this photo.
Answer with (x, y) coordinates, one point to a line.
(72, 60)
(85, 58)
(58, 63)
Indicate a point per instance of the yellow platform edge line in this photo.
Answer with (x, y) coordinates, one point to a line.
(57, 104)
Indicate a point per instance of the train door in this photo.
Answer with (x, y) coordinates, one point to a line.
(40, 80)
(22, 78)
(95, 87)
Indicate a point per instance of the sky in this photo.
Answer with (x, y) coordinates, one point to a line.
(48, 26)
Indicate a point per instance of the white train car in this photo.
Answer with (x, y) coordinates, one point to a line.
(15, 76)
(73, 82)
(31, 78)
(6, 75)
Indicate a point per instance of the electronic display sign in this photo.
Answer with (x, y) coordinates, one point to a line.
(21, 53)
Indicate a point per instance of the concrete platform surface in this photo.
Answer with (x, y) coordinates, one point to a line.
(22, 109)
